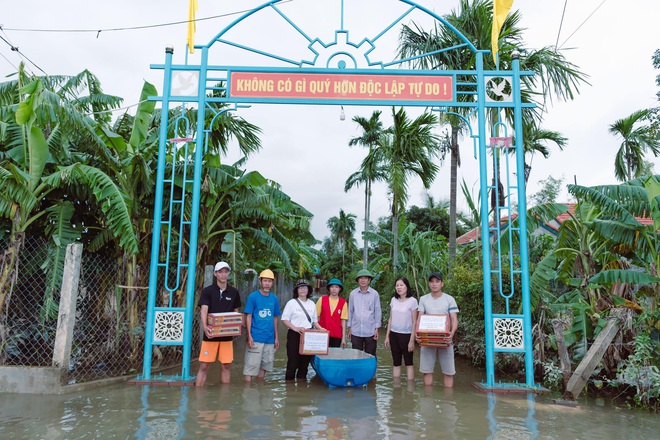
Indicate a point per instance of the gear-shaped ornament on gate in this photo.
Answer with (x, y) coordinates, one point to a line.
(342, 53)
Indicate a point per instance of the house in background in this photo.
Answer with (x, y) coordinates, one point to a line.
(551, 227)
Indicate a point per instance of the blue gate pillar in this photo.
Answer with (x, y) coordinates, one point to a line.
(170, 323)
(158, 212)
(522, 222)
(505, 331)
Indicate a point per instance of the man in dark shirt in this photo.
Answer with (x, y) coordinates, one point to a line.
(219, 297)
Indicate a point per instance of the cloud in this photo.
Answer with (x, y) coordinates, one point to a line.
(305, 147)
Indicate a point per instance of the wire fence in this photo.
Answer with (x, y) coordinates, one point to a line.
(29, 331)
(108, 337)
(109, 331)
(110, 321)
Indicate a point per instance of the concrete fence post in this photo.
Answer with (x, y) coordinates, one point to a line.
(67, 314)
(209, 277)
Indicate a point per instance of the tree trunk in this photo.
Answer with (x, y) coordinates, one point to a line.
(395, 233)
(365, 241)
(564, 358)
(455, 159)
(8, 276)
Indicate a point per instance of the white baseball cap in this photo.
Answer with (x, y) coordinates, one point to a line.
(221, 265)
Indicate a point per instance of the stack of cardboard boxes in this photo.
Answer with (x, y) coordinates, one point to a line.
(225, 324)
(434, 330)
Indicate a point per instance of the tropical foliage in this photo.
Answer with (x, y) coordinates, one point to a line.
(369, 172)
(47, 126)
(69, 174)
(441, 48)
(637, 137)
(605, 258)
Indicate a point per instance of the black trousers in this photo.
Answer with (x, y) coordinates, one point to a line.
(334, 342)
(366, 344)
(399, 346)
(296, 364)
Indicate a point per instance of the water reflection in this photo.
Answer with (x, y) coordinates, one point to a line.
(162, 422)
(257, 408)
(312, 410)
(211, 418)
(436, 407)
(512, 427)
(275, 408)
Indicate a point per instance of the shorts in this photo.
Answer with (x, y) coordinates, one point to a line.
(223, 349)
(259, 357)
(427, 357)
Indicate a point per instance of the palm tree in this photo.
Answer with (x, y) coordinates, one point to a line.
(342, 230)
(535, 140)
(434, 205)
(407, 148)
(629, 162)
(556, 76)
(372, 129)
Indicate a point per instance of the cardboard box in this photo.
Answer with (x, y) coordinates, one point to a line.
(314, 342)
(226, 330)
(227, 318)
(434, 330)
(441, 342)
(434, 324)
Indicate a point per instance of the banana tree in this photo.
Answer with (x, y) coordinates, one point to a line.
(419, 251)
(44, 121)
(636, 241)
(129, 153)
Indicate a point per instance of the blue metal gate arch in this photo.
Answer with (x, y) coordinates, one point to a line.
(169, 322)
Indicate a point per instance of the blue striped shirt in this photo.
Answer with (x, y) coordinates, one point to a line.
(364, 314)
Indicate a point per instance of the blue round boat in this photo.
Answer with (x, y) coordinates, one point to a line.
(345, 367)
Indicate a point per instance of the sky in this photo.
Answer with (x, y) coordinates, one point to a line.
(305, 148)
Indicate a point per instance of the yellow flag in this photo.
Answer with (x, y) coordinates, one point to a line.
(501, 9)
(192, 8)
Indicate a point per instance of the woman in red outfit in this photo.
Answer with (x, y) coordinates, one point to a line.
(332, 311)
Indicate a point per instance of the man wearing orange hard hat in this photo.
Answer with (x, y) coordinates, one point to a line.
(262, 311)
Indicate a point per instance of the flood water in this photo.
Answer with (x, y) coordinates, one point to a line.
(310, 410)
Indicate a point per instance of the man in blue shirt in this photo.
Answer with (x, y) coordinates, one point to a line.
(262, 311)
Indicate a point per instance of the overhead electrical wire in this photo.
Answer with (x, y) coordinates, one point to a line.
(98, 32)
(561, 23)
(580, 26)
(21, 54)
(130, 28)
(10, 63)
(126, 107)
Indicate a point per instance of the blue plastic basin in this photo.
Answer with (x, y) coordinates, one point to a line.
(345, 367)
